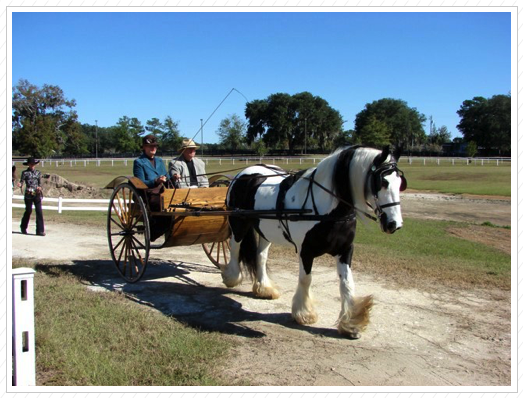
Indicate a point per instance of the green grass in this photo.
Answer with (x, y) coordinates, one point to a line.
(423, 252)
(459, 179)
(91, 338)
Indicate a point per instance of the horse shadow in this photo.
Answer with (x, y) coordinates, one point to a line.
(182, 297)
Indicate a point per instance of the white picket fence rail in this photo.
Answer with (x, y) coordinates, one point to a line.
(23, 369)
(60, 204)
(246, 160)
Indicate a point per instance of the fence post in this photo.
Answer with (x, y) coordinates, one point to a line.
(24, 372)
(125, 162)
(85, 163)
(60, 205)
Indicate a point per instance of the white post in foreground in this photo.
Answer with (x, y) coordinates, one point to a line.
(24, 372)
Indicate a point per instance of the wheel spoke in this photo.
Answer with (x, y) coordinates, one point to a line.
(218, 252)
(114, 221)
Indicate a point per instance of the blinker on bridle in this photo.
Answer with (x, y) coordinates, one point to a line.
(377, 181)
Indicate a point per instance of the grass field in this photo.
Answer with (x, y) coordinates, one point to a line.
(423, 253)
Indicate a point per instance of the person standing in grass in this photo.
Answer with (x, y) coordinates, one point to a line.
(33, 196)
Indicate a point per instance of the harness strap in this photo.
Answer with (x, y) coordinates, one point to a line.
(391, 204)
(285, 184)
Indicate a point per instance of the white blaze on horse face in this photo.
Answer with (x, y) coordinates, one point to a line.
(391, 194)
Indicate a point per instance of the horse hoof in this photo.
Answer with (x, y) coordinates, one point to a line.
(266, 292)
(352, 334)
(306, 318)
(232, 282)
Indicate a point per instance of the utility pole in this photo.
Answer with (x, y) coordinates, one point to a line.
(96, 143)
(201, 129)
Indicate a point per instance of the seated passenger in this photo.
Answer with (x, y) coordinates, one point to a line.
(147, 167)
(151, 170)
(187, 170)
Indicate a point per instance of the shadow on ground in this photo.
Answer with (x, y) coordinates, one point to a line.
(169, 288)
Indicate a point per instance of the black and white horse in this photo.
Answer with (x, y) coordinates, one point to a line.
(353, 180)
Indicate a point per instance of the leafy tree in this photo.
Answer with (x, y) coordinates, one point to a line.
(76, 142)
(127, 134)
(375, 133)
(472, 149)
(258, 146)
(344, 138)
(44, 121)
(487, 122)
(232, 132)
(405, 124)
(154, 126)
(292, 121)
(170, 138)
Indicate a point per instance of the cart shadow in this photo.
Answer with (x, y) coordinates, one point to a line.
(183, 298)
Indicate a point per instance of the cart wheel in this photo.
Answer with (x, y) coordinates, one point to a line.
(218, 252)
(219, 180)
(128, 232)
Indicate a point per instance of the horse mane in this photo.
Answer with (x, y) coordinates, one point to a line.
(350, 173)
(340, 176)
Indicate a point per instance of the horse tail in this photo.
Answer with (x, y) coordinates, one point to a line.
(248, 248)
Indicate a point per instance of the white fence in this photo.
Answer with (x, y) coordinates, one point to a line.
(241, 161)
(24, 370)
(60, 204)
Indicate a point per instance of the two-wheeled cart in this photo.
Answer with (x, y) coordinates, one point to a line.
(193, 215)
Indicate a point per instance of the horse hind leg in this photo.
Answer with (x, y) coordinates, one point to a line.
(231, 273)
(262, 285)
(355, 311)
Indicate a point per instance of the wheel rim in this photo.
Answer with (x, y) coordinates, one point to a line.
(128, 232)
(218, 252)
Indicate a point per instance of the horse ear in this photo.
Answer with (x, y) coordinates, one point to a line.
(381, 158)
(397, 152)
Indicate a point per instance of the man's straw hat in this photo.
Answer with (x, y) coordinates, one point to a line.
(188, 144)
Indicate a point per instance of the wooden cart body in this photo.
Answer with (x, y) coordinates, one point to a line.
(189, 229)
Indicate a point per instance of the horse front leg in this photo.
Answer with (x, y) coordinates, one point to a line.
(303, 310)
(355, 311)
(262, 284)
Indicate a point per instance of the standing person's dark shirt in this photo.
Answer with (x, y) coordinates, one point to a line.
(31, 179)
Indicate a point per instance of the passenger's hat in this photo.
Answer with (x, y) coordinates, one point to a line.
(188, 144)
(149, 139)
(31, 160)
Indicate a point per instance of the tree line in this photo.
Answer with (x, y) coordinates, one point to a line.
(45, 124)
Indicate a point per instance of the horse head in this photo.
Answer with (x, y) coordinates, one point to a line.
(385, 182)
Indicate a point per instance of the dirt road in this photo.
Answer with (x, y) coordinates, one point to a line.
(452, 338)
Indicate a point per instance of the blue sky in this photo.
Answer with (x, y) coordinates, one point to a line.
(158, 64)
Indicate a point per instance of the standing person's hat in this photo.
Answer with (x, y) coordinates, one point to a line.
(31, 161)
(149, 139)
(188, 144)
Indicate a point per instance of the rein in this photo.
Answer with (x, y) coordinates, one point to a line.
(373, 174)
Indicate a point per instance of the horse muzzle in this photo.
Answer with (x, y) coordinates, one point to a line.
(387, 226)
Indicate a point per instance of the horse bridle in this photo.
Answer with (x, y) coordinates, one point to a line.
(376, 180)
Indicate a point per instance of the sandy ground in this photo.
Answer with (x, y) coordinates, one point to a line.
(448, 338)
